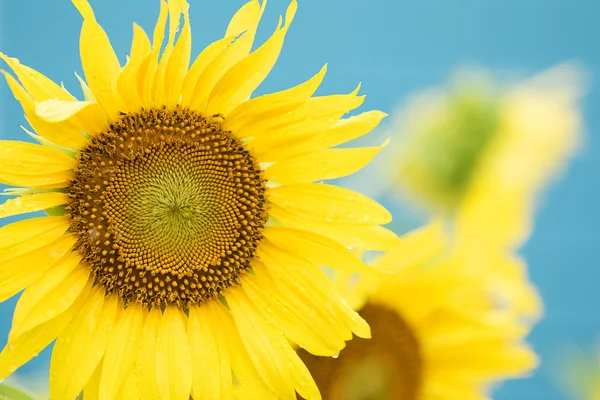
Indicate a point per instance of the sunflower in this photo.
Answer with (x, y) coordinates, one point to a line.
(184, 234)
(479, 157)
(435, 335)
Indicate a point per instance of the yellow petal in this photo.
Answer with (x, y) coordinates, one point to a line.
(100, 63)
(415, 248)
(121, 351)
(329, 203)
(32, 165)
(30, 234)
(271, 105)
(314, 248)
(31, 203)
(290, 316)
(127, 82)
(315, 115)
(32, 159)
(178, 63)
(20, 272)
(373, 237)
(320, 165)
(273, 357)
(342, 131)
(92, 387)
(56, 291)
(129, 390)
(160, 84)
(173, 363)
(80, 348)
(37, 85)
(146, 359)
(64, 134)
(244, 370)
(243, 78)
(25, 347)
(147, 71)
(309, 284)
(244, 22)
(211, 367)
(87, 93)
(89, 116)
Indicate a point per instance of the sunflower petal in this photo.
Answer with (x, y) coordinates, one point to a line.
(173, 363)
(32, 159)
(121, 351)
(209, 354)
(321, 165)
(30, 234)
(329, 203)
(100, 63)
(250, 381)
(178, 63)
(354, 236)
(89, 116)
(24, 347)
(274, 104)
(147, 71)
(270, 350)
(271, 137)
(315, 249)
(31, 203)
(146, 360)
(64, 134)
(308, 283)
(127, 82)
(244, 25)
(414, 249)
(243, 78)
(56, 291)
(37, 85)
(290, 317)
(78, 351)
(20, 272)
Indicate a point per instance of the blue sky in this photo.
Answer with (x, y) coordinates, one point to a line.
(394, 47)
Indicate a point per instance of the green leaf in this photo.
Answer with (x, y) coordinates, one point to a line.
(10, 393)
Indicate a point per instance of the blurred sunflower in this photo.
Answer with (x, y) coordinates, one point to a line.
(479, 158)
(436, 332)
(185, 235)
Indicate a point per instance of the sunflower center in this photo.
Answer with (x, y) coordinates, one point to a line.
(386, 367)
(168, 207)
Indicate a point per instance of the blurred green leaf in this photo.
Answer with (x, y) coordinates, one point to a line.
(10, 393)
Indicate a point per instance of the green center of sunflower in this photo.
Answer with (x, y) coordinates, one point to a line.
(388, 366)
(444, 147)
(168, 207)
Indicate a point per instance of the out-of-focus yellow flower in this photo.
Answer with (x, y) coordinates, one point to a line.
(479, 157)
(437, 331)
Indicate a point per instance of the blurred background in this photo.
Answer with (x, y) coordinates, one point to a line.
(395, 48)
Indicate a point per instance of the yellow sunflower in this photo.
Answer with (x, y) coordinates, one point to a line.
(185, 233)
(479, 157)
(435, 334)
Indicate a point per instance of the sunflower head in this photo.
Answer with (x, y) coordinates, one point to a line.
(476, 131)
(437, 331)
(186, 228)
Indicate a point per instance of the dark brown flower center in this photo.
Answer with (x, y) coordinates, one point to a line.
(168, 207)
(386, 367)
